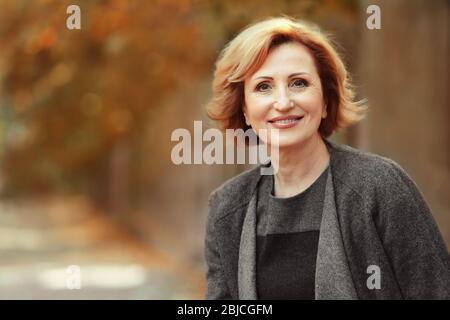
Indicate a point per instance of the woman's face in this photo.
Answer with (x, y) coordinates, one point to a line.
(285, 94)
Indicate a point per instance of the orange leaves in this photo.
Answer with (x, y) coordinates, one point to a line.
(45, 40)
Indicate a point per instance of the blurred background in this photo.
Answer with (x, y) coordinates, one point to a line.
(86, 117)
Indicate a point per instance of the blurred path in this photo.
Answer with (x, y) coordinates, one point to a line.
(40, 239)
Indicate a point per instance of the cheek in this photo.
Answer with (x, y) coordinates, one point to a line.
(311, 102)
(257, 107)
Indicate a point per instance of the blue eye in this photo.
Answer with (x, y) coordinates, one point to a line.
(299, 83)
(262, 87)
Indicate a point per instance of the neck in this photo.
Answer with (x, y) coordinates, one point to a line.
(299, 166)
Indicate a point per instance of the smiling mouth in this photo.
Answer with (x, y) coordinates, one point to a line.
(284, 121)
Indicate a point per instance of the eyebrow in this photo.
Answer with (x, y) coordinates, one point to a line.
(290, 76)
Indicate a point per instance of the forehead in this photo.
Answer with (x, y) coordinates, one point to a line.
(287, 58)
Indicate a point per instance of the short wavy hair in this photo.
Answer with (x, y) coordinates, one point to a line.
(246, 53)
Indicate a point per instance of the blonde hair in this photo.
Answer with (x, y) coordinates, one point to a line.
(246, 53)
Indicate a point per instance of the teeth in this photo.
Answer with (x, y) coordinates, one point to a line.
(286, 121)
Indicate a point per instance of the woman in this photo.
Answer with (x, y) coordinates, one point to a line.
(333, 222)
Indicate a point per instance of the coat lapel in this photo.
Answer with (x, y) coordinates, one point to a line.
(247, 253)
(333, 278)
(237, 229)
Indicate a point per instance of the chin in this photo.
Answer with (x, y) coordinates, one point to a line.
(287, 141)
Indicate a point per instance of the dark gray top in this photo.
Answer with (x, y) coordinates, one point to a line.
(298, 213)
(287, 239)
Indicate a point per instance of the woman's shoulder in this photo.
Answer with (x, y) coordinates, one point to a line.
(362, 169)
(235, 192)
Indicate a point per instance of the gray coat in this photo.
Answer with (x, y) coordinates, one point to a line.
(374, 215)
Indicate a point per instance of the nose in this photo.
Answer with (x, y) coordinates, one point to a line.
(283, 101)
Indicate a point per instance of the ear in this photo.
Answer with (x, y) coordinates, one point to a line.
(324, 112)
(246, 120)
(244, 111)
